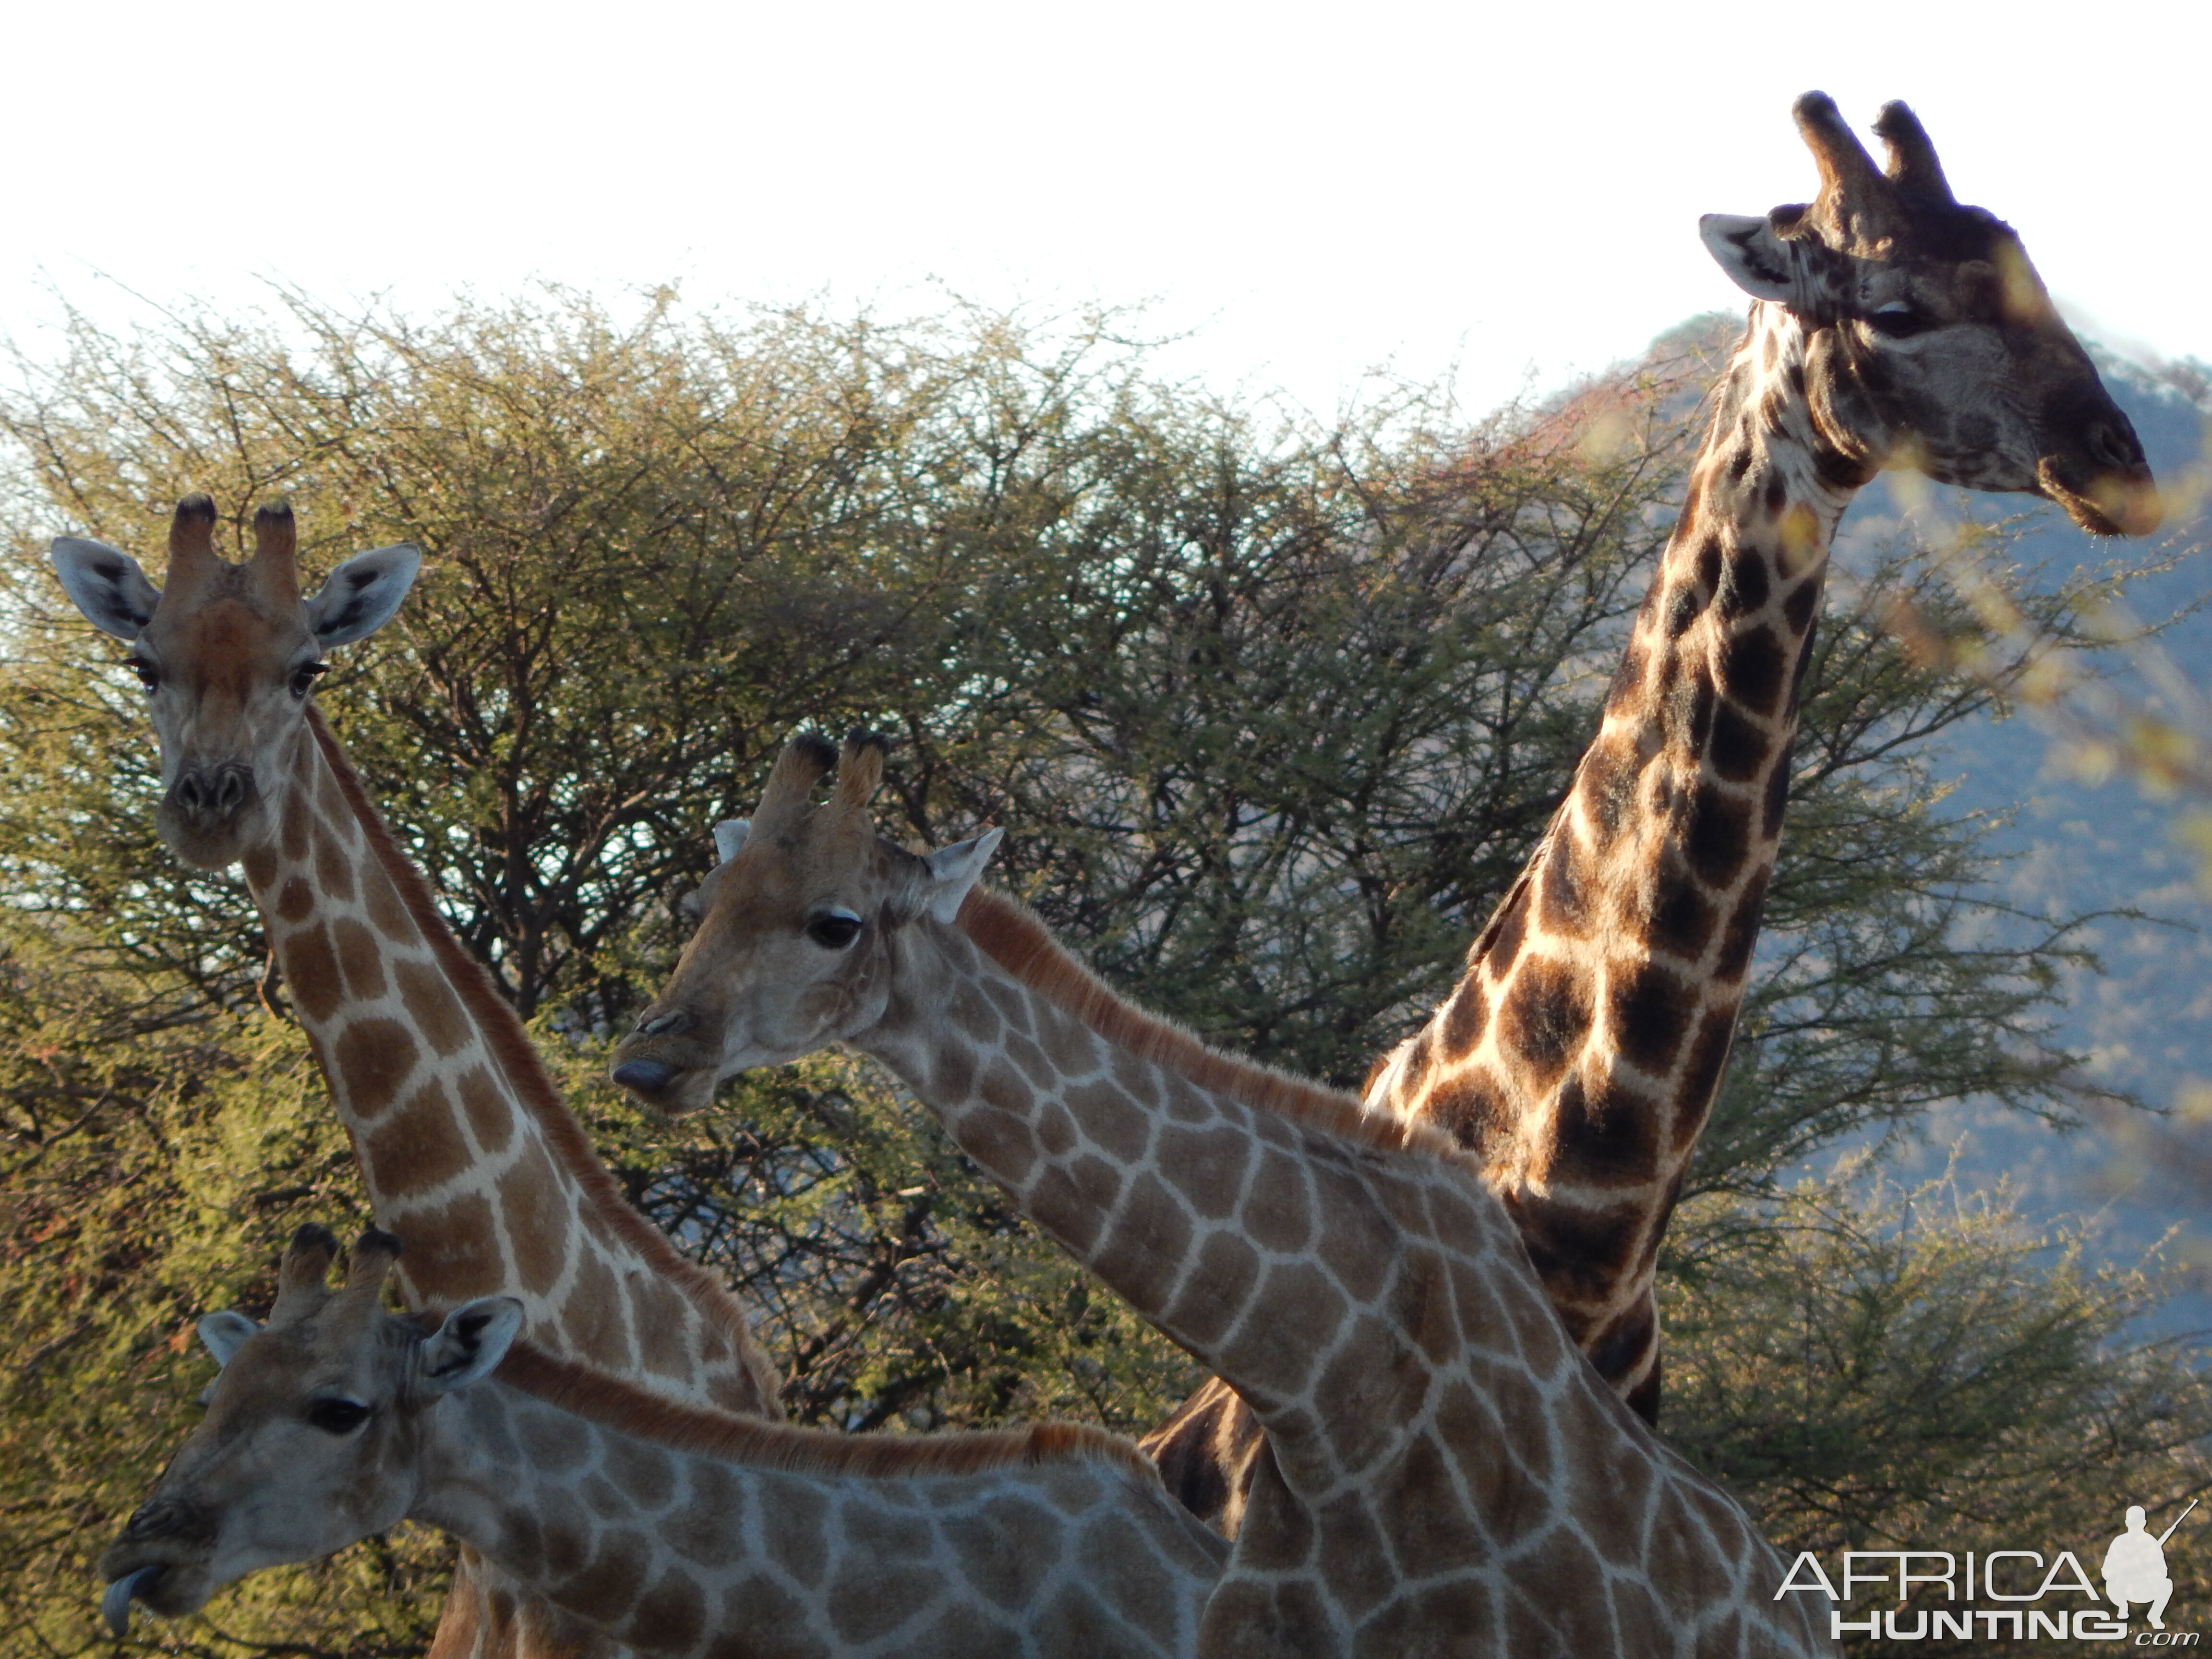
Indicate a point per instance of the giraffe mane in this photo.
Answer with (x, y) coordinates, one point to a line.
(519, 1061)
(1013, 936)
(617, 1403)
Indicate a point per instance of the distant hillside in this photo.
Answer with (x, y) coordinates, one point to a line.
(2147, 1020)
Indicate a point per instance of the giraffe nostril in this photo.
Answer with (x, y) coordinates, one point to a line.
(2113, 447)
(161, 1517)
(670, 1022)
(213, 792)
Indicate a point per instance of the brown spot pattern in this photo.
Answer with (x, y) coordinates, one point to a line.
(311, 969)
(431, 1004)
(373, 1058)
(359, 958)
(532, 1203)
(296, 901)
(492, 1111)
(1546, 1016)
(420, 1145)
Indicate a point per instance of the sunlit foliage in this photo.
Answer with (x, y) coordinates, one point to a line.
(1271, 707)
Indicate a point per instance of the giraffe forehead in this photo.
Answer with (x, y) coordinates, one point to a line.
(271, 1373)
(784, 878)
(229, 647)
(1953, 233)
(767, 887)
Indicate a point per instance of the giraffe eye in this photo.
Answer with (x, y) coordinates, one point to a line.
(335, 1415)
(149, 676)
(305, 676)
(834, 930)
(1898, 319)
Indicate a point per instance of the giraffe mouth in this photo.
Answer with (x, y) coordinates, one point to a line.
(168, 1588)
(210, 832)
(2107, 501)
(671, 1089)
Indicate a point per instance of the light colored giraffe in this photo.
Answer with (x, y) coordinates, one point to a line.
(463, 1139)
(1443, 1473)
(679, 1533)
(1578, 1056)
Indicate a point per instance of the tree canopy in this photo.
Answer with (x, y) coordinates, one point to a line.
(1271, 707)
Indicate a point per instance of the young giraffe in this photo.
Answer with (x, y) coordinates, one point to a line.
(1578, 1056)
(679, 1533)
(1442, 1471)
(462, 1137)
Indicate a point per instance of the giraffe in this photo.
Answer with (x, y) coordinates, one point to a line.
(462, 1137)
(1580, 1052)
(1441, 1472)
(679, 1533)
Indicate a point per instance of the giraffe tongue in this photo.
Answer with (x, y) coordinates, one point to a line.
(115, 1605)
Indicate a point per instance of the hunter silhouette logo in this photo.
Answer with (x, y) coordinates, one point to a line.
(2134, 1566)
(2034, 1598)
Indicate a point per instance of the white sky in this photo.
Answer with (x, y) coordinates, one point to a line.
(1512, 189)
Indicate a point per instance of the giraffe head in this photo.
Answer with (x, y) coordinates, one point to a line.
(798, 927)
(311, 1430)
(228, 654)
(1932, 342)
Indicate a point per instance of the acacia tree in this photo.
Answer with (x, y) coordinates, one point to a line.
(1875, 1368)
(1273, 710)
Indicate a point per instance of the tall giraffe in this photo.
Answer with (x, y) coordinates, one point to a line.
(463, 1139)
(675, 1531)
(1578, 1055)
(1442, 1471)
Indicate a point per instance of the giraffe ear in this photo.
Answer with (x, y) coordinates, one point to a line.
(953, 870)
(106, 584)
(1751, 253)
(730, 838)
(474, 1339)
(225, 1334)
(362, 593)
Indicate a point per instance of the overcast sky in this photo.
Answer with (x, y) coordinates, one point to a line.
(1512, 189)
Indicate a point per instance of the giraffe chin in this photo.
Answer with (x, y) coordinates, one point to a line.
(211, 847)
(2104, 503)
(668, 1090)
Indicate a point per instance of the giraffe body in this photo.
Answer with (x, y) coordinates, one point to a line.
(1443, 1473)
(462, 1139)
(1579, 1055)
(678, 1533)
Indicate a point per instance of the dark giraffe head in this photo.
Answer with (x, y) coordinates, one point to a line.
(227, 654)
(1933, 344)
(311, 1436)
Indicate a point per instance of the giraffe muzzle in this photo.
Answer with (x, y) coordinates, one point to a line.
(666, 1071)
(2109, 500)
(209, 797)
(211, 814)
(160, 1558)
(645, 1076)
(167, 1521)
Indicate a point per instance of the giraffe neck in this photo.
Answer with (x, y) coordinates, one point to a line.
(1428, 1422)
(735, 1539)
(1578, 1056)
(466, 1148)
